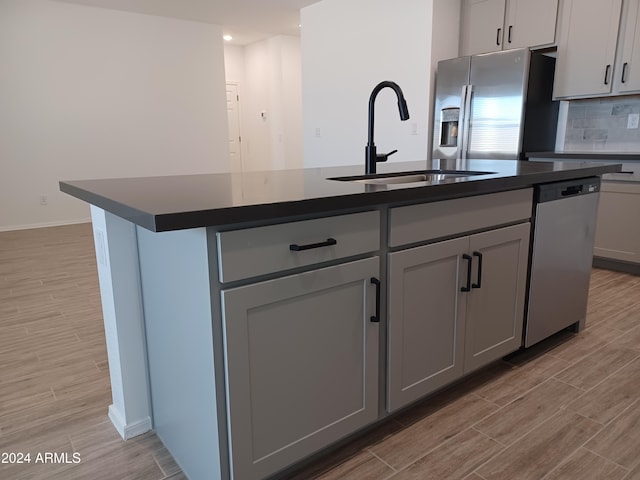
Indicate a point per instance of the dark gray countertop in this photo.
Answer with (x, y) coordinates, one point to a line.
(622, 157)
(178, 202)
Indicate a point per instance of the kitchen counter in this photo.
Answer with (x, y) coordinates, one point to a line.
(630, 162)
(179, 202)
(622, 157)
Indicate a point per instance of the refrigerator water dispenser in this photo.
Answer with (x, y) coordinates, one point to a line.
(449, 122)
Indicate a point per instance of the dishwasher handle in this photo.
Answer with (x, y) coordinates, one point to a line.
(548, 192)
(572, 190)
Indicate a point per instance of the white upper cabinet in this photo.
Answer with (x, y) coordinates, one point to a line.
(587, 48)
(493, 25)
(627, 71)
(482, 26)
(597, 54)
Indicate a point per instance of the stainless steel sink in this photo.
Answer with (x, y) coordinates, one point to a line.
(409, 177)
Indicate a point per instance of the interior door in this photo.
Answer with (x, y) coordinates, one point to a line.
(233, 117)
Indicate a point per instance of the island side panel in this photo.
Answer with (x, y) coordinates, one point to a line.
(119, 276)
(180, 345)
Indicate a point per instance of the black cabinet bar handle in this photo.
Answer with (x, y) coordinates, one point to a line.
(606, 74)
(498, 36)
(467, 288)
(509, 33)
(478, 283)
(294, 247)
(624, 71)
(376, 318)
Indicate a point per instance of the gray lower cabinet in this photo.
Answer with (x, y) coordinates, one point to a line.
(301, 359)
(426, 320)
(495, 308)
(437, 331)
(618, 227)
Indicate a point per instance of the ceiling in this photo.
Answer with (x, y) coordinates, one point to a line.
(246, 20)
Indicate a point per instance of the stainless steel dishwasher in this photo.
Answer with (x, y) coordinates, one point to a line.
(561, 257)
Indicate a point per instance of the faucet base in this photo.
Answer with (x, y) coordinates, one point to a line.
(371, 158)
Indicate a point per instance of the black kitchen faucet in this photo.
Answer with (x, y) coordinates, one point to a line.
(371, 156)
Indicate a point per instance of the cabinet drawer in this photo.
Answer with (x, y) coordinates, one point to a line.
(427, 221)
(262, 250)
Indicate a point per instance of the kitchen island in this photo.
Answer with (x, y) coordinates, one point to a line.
(260, 317)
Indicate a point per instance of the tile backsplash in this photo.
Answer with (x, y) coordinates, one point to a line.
(600, 124)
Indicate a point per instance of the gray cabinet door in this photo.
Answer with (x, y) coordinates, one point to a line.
(482, 23)
(618, 223)
(530, 23)
(301, 357)
(627, 76)
(494, 25)
(426, 319)
(587, 48)
(495, 307)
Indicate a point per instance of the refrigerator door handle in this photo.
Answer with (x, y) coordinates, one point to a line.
(467, 121)
(462, 117)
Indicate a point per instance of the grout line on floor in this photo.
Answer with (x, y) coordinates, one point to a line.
(607, 459)
(371, 452)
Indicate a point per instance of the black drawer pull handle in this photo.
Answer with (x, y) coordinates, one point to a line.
(376, 318)
(294, 247)
(467, 288)
(498, 36)
(509, 36)
(624, 71)
(606, 74)
(478, 284)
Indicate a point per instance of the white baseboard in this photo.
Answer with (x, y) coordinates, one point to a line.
(131, 430)
(44, 225)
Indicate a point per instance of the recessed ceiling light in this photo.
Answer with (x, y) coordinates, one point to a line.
(227, 38)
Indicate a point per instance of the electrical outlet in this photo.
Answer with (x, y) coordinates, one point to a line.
(414, 128)
(633, 120)
(318, 135)
(44, 200)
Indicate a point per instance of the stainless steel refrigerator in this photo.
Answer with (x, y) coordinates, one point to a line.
(495, 105)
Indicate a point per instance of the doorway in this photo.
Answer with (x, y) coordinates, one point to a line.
(233, 118)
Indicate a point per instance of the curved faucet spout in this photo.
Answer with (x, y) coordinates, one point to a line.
(402, 104)
(371, 156)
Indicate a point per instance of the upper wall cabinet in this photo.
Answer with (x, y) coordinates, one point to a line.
(627, 79)
(598, 51)
(492, 25)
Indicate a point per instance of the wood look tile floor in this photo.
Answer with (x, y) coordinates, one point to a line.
(567, 409)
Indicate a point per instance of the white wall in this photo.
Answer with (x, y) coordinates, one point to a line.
(93, 93)
(234, 63)
(269, 74)
(286, 102)
(348, 46)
